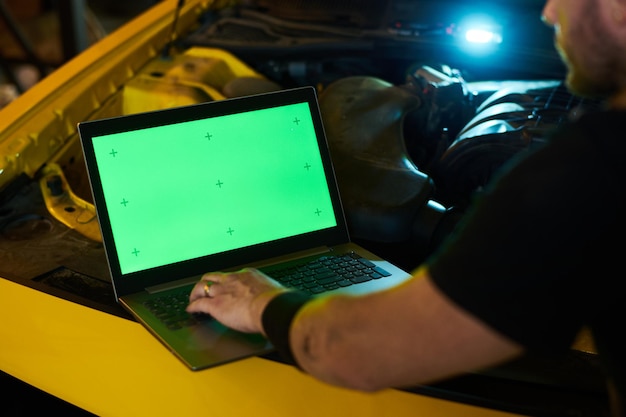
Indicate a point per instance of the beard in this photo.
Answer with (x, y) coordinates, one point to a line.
(591, 57)
(598, 82)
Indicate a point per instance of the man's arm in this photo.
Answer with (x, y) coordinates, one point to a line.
(404, 336)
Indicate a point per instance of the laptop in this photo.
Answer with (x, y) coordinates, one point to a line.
(219, 186)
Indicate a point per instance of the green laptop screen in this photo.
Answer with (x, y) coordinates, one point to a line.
(182, 191)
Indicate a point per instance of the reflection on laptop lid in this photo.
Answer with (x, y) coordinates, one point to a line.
(180, 192)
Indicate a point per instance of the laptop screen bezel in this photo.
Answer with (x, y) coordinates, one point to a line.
(133, 282)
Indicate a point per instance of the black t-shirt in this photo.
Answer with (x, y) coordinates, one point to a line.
(541, 253)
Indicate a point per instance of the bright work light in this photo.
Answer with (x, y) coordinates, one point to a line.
(483, 36)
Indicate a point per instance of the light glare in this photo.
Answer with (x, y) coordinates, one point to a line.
(482, 36)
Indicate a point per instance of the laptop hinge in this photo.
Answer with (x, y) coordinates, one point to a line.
(174, 284)
(284, 258)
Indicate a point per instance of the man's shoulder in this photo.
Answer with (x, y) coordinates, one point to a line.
(599, 134)
(609, 122)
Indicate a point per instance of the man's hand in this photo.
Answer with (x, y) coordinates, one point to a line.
(235, 299)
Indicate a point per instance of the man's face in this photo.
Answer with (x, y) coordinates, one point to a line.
(585, 44)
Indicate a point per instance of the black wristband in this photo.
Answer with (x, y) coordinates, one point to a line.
(277, 318)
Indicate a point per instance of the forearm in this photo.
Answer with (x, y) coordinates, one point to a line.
(404, 336)
(329, 340)
(311, 334)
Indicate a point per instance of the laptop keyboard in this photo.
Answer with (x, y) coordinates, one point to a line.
(328, 273)
(322, 274)
(170, 309)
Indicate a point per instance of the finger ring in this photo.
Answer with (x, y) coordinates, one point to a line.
(207, 289)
